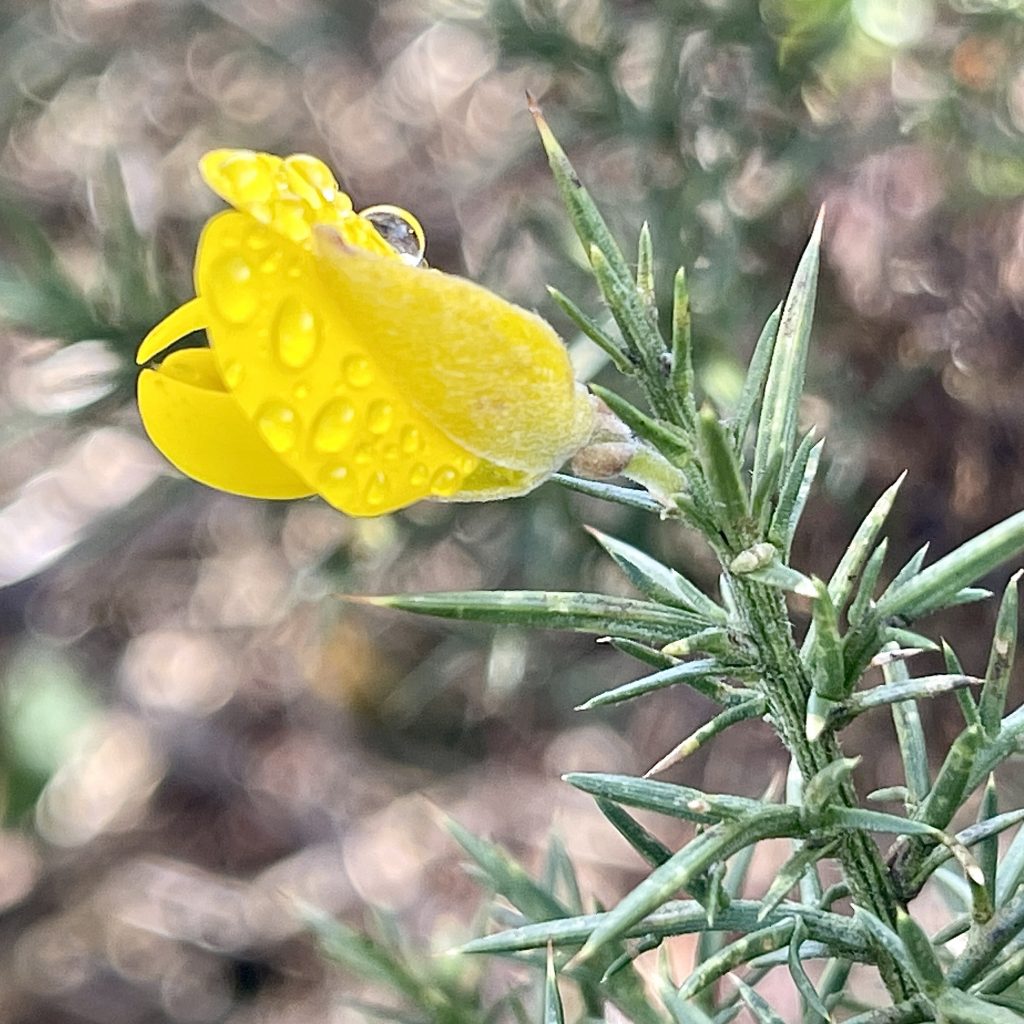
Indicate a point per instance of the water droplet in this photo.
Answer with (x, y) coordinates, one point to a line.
(233, 374)
(358, 371)
(391, 452)
(247, 180)
(296, 333)
(272, 263)
(445, 482)
(412, 440)
(334, 426)
(301, 391)
(290, 220)
(364, 455)
(293, 272)
(419, 475)
(235, 294)
(376, 489)
(257, 239)
(465, 464)
(310, 179)
(336, 481)
(279, 426)
(379, 417)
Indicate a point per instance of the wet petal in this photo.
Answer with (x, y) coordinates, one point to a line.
(300, 370)
(201, 430)
(489, 374)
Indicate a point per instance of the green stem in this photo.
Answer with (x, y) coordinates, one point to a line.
(787, 689)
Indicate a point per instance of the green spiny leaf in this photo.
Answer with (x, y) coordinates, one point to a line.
(868, 580)
(992, 701)
(552, 1013)
(667, 798)
(717, 843)
(936, 586)
(777, 426)
(753, 708)
(758, 1006)
(792, 871)
(807, 991)
(740, 951)
(586, 613)
(703, 676)
(921, 954)
(757, 375)
(598, 335)
(950, 788)
(682, 347)
(795, 490)
(631, 497)
(910, 734)
(827, 672)
(722, 471)
(844, 711)
(657, 581)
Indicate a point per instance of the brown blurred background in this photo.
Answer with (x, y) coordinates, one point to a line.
(196, 731)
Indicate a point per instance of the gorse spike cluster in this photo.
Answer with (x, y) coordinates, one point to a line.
(742, 480)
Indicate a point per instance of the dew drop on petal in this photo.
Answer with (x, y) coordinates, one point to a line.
(412, 440)
(380, 416)
(419, 475)
(296, 334)
(233, 374)
(445, 482)
(279, 425)
(236, 295)
(289, 219)
(376, 489)
(358, 371)
(248, 181)
(336, 481)
(301, 391)
(364, 455)
(334, 426)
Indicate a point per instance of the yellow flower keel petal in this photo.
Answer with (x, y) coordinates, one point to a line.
(175, 326)
(202, 431)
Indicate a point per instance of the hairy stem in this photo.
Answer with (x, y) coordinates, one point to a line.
(787, 689)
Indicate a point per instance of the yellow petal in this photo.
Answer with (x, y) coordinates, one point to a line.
(300, 370)
(290, 196)
(201, 430)
(491, 375)
(184, 320)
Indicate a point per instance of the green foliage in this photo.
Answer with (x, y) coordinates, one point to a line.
(748, 505)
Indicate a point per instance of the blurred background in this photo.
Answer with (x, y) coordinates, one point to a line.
(196, 731)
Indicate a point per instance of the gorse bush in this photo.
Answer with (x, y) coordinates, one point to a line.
(741, 479)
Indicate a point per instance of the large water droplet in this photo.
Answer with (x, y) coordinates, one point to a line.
(412, 440)
(235, 293)
(233, 374)
(358, 371)
(296, 333)
(279, 425)
(445, 482)
(334, 426)
(419, 475)
(376, 489)
(379, 417)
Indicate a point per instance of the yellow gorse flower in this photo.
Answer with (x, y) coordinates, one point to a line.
(339, 365)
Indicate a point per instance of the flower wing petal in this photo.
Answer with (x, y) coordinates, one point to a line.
(201, 430)
(491, 375)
